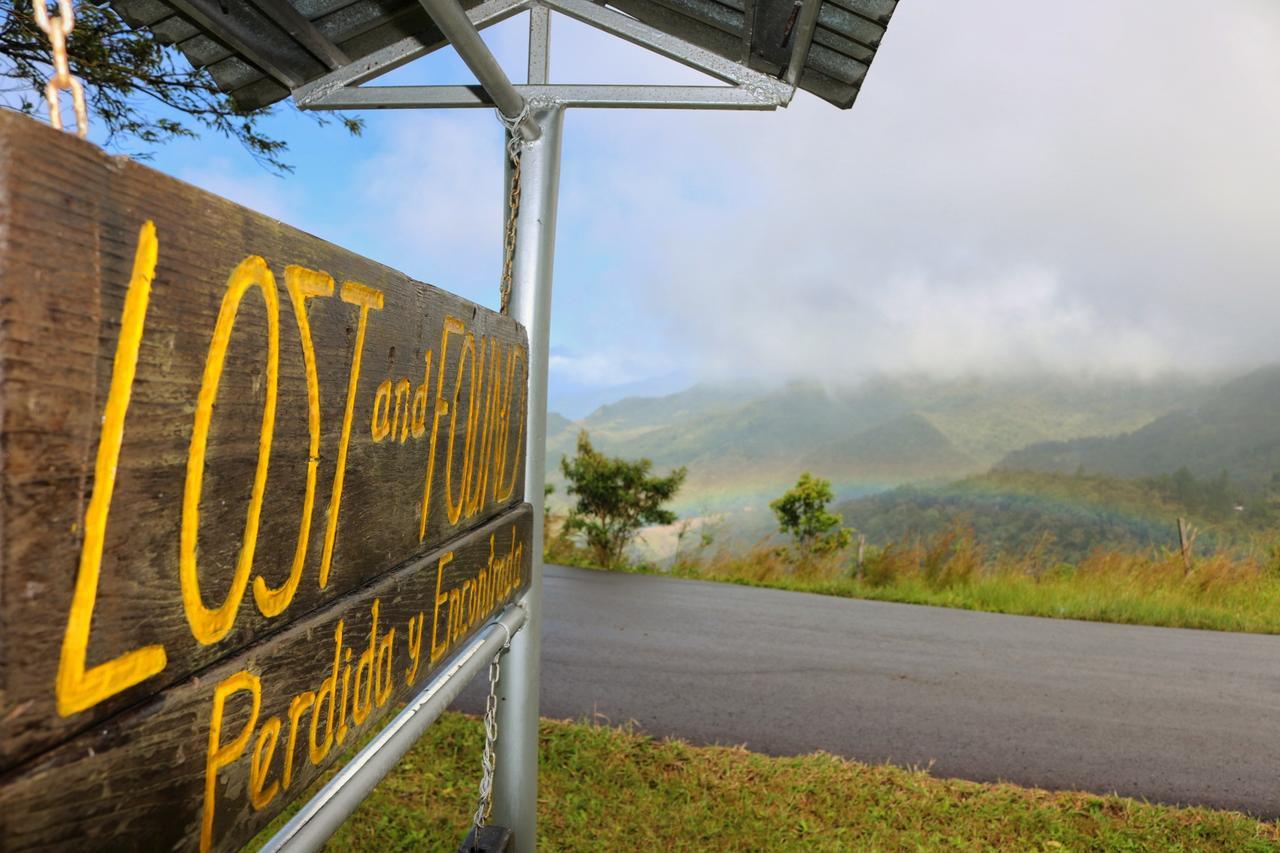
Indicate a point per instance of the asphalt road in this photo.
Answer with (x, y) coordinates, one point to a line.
(1171, 715)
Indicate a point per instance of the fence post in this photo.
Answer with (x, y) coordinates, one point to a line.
(1186, 539)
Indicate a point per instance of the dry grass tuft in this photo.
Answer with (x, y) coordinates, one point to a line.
(1224, 591)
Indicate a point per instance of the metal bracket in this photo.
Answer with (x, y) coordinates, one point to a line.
(391, 57)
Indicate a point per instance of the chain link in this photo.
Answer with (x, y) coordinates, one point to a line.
(515, 144)
(485, 803)
(57, 29)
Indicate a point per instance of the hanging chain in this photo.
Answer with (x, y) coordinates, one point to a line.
(515, 143)
(57, 29)
(485, 803)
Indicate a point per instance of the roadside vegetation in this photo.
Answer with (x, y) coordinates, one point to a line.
(1222, 592)
(1232, 587)
(613, 499)
(605, 788)
(1013, 510)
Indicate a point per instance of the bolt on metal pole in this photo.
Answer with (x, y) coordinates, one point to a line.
(516, 782)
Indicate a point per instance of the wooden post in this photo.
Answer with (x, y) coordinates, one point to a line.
(862, 548)
(1186, 539)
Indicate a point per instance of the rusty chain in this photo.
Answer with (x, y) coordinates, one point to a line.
(485, 800)
(57, 29)
(514, 145)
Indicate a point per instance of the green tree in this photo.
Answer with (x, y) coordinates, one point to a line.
(614, 499)
(140, 92)
(803, 515)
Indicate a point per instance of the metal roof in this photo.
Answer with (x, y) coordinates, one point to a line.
(259, 51)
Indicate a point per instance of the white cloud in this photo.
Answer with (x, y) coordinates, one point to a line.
(432, 192)
(1006, 324)
(604, 368)
(1017, 186)
(1021, 185)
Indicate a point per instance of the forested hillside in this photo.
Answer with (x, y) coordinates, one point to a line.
(1235, 429)
(1068, 515)
(744, 445)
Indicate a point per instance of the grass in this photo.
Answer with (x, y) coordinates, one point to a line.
(1224, 591)
(607, 788)
(1255, 610)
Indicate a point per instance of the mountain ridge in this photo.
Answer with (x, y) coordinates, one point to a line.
(743, 445)
(1236, 429)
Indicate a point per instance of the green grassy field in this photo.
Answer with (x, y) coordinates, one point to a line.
(1127, 597)
(606, 788)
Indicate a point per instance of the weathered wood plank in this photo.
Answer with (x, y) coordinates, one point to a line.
(219, 521)
(208, 762)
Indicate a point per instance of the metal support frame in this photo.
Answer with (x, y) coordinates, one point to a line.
(638, 33)
(312, 826)
(391, 57)
(342, 90)
(459, 97)
(516, 782)
(803, 36)
(465, 38)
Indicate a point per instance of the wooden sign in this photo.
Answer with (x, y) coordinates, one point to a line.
(253, 488)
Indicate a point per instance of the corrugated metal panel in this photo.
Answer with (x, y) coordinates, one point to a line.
(256, 56)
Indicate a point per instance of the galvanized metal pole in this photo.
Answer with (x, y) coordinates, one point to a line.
(516, 784)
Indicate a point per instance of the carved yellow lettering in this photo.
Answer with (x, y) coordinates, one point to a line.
(364, 692)
(328, 692)
(414, 638)
(482, 591)
(467, 597)
(517, 562)
(503, 488)
(495, 572)
(302, 284)
(477, 426)
(452, 326)
(367, 298)
(382, 667)
(502, 399)
(264, 749)
(77, 688)
(401, 422)
(455, 509)
(419, 427)
(380, 424)
(455, 615)
(438, 650)
(220, 755)
(492, 416)
(297, 708)
(209, 625)
(342, 708)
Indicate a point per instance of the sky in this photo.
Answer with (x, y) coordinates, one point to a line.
(1090, 188)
